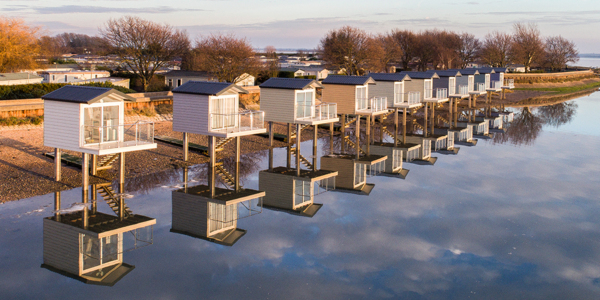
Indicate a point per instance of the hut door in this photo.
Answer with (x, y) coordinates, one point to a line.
(221, 217)
(360, 172)
(428, 89)
(101, 124)
(303, 192)
(471, 83)
(451, 86)
(398, 90)
(304, 104)
(396, 159)
(361, 98)
(224, 112)
(487, 81)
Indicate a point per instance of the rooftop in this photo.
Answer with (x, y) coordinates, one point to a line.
(83, 94)
(421, 75)
(18, 76)
(290, 83)
(210, 88)
(349, 80)
(389, 76)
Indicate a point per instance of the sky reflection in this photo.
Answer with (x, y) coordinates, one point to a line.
(494, 221)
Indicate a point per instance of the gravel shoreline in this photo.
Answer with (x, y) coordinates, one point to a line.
(26, 172)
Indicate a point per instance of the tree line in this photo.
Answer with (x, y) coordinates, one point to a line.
(144, 46)
(357, 51)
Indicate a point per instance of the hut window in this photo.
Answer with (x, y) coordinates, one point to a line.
(221, 217)
(359, 174)
(101, 123)
(170, 82)
(398, 87)
(97, 252)
(224, 111)
(178, 82)
(397, 159)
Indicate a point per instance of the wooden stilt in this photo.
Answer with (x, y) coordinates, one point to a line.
(57, 164)
(315, 138)
(122, 168)
(395, 127)
(357, 134)
(186, 143)
(331, 138)
(425, 123)
(270, 133)
(57, 205)
(432, 116)
(211, 166)
(237, 162)
(85, 167)
(185, 179)
(343, 134)
(289, 147)
(298, 139)
(94, 164)
(404, 126)
(368, 135)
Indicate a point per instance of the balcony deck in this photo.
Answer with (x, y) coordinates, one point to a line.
(236, 131)
(117, 147)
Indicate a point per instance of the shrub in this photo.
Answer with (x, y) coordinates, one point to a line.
(164, 109)
(27, 91)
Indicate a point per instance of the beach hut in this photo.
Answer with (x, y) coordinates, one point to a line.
(352, 95)
(391, 86)
(293, 194)
(352, 171)
(88, 245)
(200, 213)
(468, 79)
(484, 77)
(394, 164)
(447, 84)
(91, 120)
(422, 82)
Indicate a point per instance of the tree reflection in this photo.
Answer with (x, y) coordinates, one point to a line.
(558, 114)
(527, 125)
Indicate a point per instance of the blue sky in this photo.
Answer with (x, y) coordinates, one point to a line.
(301, 24)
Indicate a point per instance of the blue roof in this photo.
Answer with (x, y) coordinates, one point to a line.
(470, 71)
(81, 94)
(288, 83)
(349, 80)
(500, 70)
(486, 70)
(445, 73)
(389, 76)
(420, 75)
(210, 88)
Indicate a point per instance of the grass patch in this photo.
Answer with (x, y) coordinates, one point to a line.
(146, 111)
(164, 109)
(564, 90)
(14, 121)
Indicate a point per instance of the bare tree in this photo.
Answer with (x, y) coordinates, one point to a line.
(407, 42)
(352, 49)
(528, 47)
(468, 49)
(272, 64)
(226, 57)
(18, 45)
(496, 50)
(144, 46)
(425, 49)
(392, 51)
(559, 52)
(447, 46)
(50, 47)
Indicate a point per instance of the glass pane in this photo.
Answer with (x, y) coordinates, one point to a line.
(92, 119)
(110, 248)
(91, 252)
(300, 108)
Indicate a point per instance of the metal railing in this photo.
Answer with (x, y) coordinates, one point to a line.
(507, 117)
(450, 143)
(230, 123)
(496, 84)
(440, 144)
(324, 185)
(441, 93)
(509, 83)
(426, 149)
(469, 134)
(117, 136)
(225, 215)
(409, 98)
(480, 87)
(323, 111)
(374, 104)
(463, 90)
(376, 168)
(412, 154)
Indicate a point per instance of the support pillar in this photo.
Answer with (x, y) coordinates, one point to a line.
(57, 164)
(185, 179)
(211, 166)
(450, 109)
(57, 205)
(395, 127)
(270, 159)
(298, 136)
(368, 135)
(94, 164)
(357, 134)
(315, 137)
(121, 168)
(425, 123)
(343, 134)
(289, 147)
(404, 126)
(237, 162)
(432, 116)
(331, 138)
(270, 133)
(186, 142)
(85, 167)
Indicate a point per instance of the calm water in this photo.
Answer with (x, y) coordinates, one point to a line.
(516, 217)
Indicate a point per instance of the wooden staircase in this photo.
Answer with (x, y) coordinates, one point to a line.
(387, 114)
(353, 145)
(302, 127)
(350, 121)
(108, 194)
(415, 123)
(386, 131)
(221, 144)
(226, 177)
(303, 159)
(105, 162)
(443, 120)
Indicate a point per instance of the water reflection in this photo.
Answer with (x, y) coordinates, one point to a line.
(88, 245)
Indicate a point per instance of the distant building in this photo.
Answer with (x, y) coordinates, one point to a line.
(116, 81)
(71, 76)
(177, 78)
(19, 78)
(516, 68)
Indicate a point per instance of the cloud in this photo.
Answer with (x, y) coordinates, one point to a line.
(68, 9)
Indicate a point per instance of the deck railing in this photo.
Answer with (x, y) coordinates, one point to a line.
(426, 149)
(440, 144)
(463, 90)
(396, 159)
(509, 83)
(507, 117)
(376, 168)
(323, 111)
(117, 136)
(441, 93)
(496, 84)
(324, 185)
(496, 123)
(412, 154)
(230, 123)
(409, 98)
(469, 134)
(450, 143)
(374, 104)
(480, 87)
